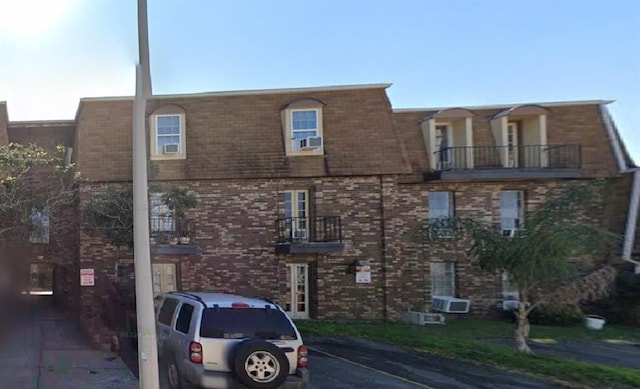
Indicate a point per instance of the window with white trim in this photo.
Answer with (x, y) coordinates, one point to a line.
(296, 211)
(302, 128)
(511, 211)
(441, 212)
(304, 123)
(167, 133)
(443, 280)
(161, 215)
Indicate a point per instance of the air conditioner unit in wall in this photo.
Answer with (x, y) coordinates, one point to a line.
(309, 143)
(300, 234)
(508, 305)
(450, 304)
(171, 148)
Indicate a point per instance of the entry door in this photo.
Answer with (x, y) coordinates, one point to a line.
(512, 144)
(443, 145)
(297, 301)
(296, 207)
(164, 277)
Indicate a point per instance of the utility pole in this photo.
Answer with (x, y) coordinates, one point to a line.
(147, 346)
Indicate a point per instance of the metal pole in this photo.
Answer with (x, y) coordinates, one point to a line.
(147, 346)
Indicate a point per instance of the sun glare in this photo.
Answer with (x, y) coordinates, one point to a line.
(31, 17)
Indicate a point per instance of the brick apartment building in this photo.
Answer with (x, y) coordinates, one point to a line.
(296, 187)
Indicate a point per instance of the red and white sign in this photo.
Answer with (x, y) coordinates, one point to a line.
(87, 277)
(363, 274)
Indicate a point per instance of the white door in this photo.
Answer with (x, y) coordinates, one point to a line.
(164, 277)
(296, 207)
(297, 300)
(512, 144)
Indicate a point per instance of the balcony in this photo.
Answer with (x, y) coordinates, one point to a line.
(314, 235)
(171, 237)
(527, 161)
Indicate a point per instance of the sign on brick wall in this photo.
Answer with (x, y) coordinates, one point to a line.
(363, 274)
(87, 277)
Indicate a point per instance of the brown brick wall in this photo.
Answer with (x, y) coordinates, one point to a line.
(409, 264)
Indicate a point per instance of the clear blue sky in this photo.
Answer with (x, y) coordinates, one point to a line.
(435, 52)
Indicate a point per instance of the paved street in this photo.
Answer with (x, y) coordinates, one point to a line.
(41, 349)
(338, 363)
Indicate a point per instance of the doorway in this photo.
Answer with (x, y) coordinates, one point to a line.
(165, 278)
(297, 297)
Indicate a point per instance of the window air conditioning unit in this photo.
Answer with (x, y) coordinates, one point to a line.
(450, 304)
(423, 318)
(310, 143)
(300, 234)
(171, 148)
(508, 305)
(509, 232)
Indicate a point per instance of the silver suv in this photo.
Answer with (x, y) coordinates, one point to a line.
(215, 340)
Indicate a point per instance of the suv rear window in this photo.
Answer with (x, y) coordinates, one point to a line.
(240, 323)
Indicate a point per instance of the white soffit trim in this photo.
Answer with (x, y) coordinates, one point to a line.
(505, 106)
(249, 92)
(613, 138)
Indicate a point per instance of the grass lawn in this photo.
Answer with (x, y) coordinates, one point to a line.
(465, 339)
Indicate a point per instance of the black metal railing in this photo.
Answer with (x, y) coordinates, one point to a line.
(312, 229)
(509, 157)
(166, 230)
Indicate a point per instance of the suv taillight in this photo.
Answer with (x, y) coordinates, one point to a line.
(303, 361)
(195, 352)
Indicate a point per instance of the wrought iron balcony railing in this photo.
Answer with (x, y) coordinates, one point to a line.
(166, 230)
(312, 229)
(509, 157)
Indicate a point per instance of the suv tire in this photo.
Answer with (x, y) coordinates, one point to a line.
(260, 365)
(173, 374)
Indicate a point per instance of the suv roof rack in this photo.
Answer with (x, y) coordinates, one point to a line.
(263, 298)
(190, 295)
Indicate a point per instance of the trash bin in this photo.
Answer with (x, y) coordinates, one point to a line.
(594, 322)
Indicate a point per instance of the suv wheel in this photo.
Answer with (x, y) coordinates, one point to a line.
(173, 374)
(260, 365)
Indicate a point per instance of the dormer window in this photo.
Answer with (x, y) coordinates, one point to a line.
(520, 134)
(168, 136)
(167, 133)
(302, 128)
(448, 138)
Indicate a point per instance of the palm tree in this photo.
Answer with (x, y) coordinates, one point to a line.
(540, 254)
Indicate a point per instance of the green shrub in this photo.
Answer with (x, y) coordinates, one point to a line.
(553, 315)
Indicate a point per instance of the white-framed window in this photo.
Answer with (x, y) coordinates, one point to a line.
(511, 211)
(302, 128)
(296, 211)
(443, 279)
(167, 135)
(161, 216)
(304, 123)
(441, 212)
(509, 291)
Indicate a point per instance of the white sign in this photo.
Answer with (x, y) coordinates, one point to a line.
(87, 277)
(363, 274)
